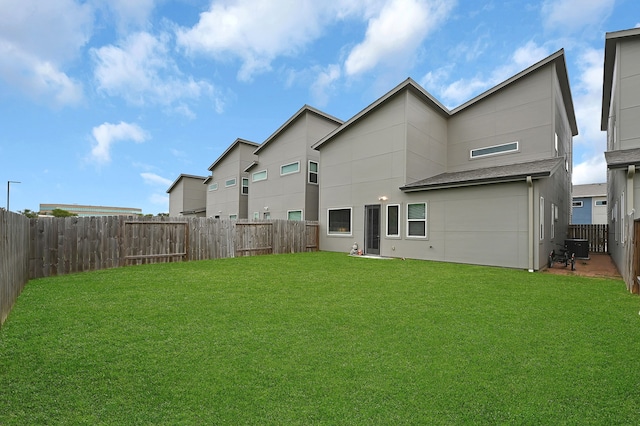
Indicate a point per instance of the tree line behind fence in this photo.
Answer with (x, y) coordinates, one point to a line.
(42, 247)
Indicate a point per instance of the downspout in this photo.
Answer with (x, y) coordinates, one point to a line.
(531, 224)
(631, 171)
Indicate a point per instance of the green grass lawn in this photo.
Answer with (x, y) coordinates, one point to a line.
(321, 338)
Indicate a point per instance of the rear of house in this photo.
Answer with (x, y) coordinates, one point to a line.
(486, 183)
(187, 196)
(284, 176)
(228, 185)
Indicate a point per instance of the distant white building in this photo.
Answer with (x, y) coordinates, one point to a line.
(589, 204)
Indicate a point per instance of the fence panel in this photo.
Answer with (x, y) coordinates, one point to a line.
(14, 259)
(597, 235)
(75, 244)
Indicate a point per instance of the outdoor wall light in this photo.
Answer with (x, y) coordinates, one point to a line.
(266, 208)
(383, 198)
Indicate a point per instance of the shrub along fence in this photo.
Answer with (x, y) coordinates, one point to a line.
(42, 247)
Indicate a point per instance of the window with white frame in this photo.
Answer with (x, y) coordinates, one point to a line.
(393, 220)
(245, 186)
(230, 182)
(577, 204)
(494, 150)
(258, 176)
(266, 215)
(294, 215)
(600, 202)
(213, 186)
(339, 221)
(417, 220)
(287, 169)
(233, 216)
(541, 218)
(313, 172)
(256, 215)
(556, 144)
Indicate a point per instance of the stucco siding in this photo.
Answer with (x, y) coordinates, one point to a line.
(522, 112)
(176, 199)
(280, 194)
(426, 150)
(629, 94)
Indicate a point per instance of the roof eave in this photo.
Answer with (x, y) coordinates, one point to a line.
(305, 108)
(408, 84)
(611, 40)
(475, 182)
(230, 148)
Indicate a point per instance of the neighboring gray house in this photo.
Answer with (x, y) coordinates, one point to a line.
(621, 120)
(488, 182)
(227, 189)
(284, 178)
(187, 196)
(589, 204)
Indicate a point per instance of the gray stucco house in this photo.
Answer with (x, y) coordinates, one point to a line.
(488, 182)
(227, 188)
(284, 176)
(187, 196)
(621, 120)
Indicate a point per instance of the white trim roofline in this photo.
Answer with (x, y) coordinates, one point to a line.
(175, 182)
(228, 150)
(611, 40)
(561, 70)
(305, 108)
(409, 84)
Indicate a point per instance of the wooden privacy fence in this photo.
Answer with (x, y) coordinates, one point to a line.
(14, 259)
(597, 235)
(76, 244)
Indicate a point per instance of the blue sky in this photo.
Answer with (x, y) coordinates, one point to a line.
(106, 102)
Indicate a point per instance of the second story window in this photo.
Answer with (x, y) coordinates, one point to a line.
(245, 186)
(258, 176)
(494, 150)
(290, 168)
(213, 186)
(313, 172)
(230, 182)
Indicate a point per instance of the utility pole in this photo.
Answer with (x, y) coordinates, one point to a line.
(9, 182)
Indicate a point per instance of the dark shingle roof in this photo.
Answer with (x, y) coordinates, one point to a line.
(623, 158)
(508, 173)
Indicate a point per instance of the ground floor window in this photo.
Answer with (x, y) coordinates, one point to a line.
(339, 221)
(417, 220)
(294, 215)
(393, 220)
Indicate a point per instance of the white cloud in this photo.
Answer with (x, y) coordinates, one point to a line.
(129, 13)
(396, 33)
(590, 170)
(464, 89)
(36, 40)
(324, 84)
(106, 134)
(142, 71)
(154, 179)
(570, 16)
(160, 199)
(256, 32)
